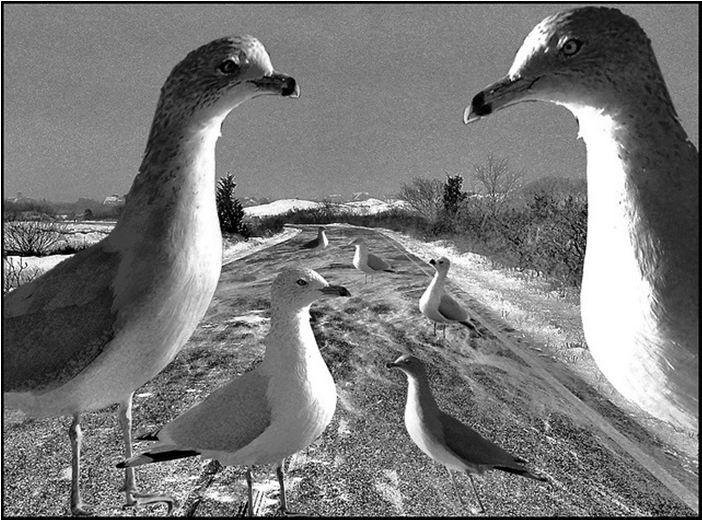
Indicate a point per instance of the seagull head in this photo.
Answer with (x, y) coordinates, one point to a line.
(300, 287)
(442, 264)
(410, 365)
(591, 57)
(214, 78)
(358, 241)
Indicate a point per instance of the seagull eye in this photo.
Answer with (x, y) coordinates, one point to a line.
(229, 66)
(301, 282)
(572, 46)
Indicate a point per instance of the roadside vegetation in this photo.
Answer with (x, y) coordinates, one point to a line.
(537, 227)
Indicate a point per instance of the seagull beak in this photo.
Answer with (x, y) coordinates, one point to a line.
(390, 365)
(497, 96)
(432, 262)
(278, 83)
(336, 291)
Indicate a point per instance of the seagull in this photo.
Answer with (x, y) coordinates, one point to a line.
(271, 412)
(88, 333)
(444, 438)
(439, 307)
(639, 296)
(319, 243)
(367, 262)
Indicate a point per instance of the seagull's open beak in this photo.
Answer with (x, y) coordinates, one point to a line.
(278, 83)
(497, 96)
(336, 291)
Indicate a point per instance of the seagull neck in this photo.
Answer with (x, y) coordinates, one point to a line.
(438, 280)
(420, 397)
(291, 330)
(176, 178)
(642, 183)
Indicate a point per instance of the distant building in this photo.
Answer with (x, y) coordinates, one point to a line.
(19, 198)
(114, 200)
(335, 198)
(360, 196)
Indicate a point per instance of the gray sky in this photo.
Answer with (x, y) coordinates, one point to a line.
(383, 87)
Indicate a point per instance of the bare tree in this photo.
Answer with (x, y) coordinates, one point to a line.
(426, 196)
(32, 237)
(15, 272)
(498, 183)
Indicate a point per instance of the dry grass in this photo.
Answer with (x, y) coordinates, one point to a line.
(364, 464)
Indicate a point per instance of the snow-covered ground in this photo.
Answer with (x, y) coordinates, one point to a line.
(280, 206)
(366, 207)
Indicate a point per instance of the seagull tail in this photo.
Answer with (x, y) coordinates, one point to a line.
(390, 270)
(149, 436)
(163, 453)
(521, 472)
(470, 326)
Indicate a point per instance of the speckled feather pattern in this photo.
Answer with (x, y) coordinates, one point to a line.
(640, 296)
(129, 303)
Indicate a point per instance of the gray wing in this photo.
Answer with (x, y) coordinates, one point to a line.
(57, 324)
(376, 263)
(451, 309)
(472, 447)
(227, 420)
(311, 244)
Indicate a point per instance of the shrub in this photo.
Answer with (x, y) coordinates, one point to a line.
(229, 209)
(453, 194)
(425, 196)
(32, 237)
(15, 272)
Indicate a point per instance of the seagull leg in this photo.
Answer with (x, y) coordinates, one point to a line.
(475, 491)
(133, 496)
(444, 331)
(460, 498)
(455, 487)
(283, 507)
(78, 508)
(434, 328)
(249, 484)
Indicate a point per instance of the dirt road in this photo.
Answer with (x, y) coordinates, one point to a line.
(364, 464)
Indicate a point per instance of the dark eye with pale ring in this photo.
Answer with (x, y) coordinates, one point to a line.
(301, 282)
(572, 46)
(229, 66)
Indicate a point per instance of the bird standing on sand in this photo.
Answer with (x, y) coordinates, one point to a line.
(444, 438)
(640, 296)
(439, 307)
(318, 243)
(99, 325)
(368, 263)
(271, 412)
